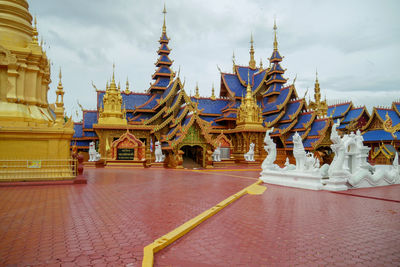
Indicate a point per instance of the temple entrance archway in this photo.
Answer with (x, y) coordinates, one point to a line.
(193, 156)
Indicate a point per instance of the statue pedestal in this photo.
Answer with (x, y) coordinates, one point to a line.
(292, 178)
(336, 182)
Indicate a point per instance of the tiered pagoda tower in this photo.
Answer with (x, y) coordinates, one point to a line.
(163, 74)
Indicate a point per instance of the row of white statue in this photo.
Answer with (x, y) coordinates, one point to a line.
(349, 168)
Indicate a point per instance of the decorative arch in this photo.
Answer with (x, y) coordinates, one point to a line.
(125, 144)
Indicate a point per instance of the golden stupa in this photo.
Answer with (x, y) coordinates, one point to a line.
(34, 141)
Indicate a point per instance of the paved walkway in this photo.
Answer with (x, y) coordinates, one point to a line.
(295, 227)
(110, 220)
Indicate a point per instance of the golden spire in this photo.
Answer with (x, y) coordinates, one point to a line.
(317, 90)
(261, 64)
(164, 28)
(275, 41)
(59, 108)
(233, 61)
(248, 89)
(35, 32)
(213, 92)
(112, 83)
(252, 62)
(127, 86)
(197, 91)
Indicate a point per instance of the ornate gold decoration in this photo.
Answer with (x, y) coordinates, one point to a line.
(213, 92)
(249, 113)
(252, 62)
(388, 127)
(320, 107)
(197, 91)
(112, 112)
(127, 86)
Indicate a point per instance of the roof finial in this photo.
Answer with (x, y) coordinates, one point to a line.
(233, 61)
(60, 76)
(60, 92)
(164, 28)
(197, 91)
(213, 92)
(248, 89)
(261, 64)
(252, 62)
(113, 77)
(316, 75)
(275, 41)
(127, 86)
(35, 32)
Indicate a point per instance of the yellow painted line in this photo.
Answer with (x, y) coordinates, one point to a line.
(165, 240)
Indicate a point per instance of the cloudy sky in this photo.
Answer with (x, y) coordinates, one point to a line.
(355, 45)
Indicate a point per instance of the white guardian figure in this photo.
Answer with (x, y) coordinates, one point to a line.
(270, 148)
(93, 154)
(158, 152)
(249, 156)
(217, 153)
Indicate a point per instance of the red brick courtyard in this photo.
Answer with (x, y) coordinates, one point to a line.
(111, 219)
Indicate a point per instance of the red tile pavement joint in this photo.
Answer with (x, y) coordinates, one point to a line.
(370, 197)
(162, 242)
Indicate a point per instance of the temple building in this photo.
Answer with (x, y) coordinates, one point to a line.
(251, 100)
(34, 140)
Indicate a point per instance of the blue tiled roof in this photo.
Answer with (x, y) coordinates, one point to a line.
(379, 135)
(276, 76)
(316, 126)
(164, 58)
(82, 142)
(208, 118)
(290, 138)
(100, 96)
(90, 134)
(181, 110)
(275, 55)
(242, 71)
(166, 92)
(187, 120)
(279, 100)
(274, 87)
(131, 101)
(142, 116)
(276, 67)
(164, 47)
(211, 106)
(89, 118)
(152, 103)
(392, 114)
(291, 109)
(164, 70)
(339, 111)
(302, 118)
(282, 126)
(352, 114)
(164, 37)
(309, 140)
(258, 78)
(233, 83)
(271, 118)
(397, 106)
(162, 82)
(78, 130)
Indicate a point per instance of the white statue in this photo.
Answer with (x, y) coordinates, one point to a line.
(339, 148)
(217, 153)
(298, 152)
(249, 156)
(93, 154)
(270, 148)
(158, 152)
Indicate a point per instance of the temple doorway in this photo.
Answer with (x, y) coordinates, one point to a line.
(193, 157)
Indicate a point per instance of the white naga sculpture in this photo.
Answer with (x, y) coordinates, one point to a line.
(217, 153)
(338, 147)
(158, 152)
(304, 161)
(249, 156)
(270, 148)
(93, 154)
